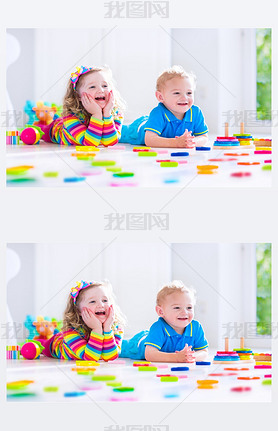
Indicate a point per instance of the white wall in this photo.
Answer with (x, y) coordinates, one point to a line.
(21, 74)
(232, 76)
(216, 57)
(21, 288)
(136, 272)
(197, 51)
(197, 265)
(135, 56)
(221, 58)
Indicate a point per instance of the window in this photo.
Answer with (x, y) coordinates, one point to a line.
(263, 78)
(263, 272)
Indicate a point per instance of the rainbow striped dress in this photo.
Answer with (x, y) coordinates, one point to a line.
(72, 130)
(72, 344)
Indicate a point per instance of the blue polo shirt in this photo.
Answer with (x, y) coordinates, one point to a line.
(166, 339)
(164, 123)
(163, 337)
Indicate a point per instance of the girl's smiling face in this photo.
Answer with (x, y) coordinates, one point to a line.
(96, 300)
(96, 85)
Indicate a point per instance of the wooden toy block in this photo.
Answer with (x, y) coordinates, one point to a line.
(262, 357)
(262, 142)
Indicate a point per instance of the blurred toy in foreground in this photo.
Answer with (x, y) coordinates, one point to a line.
(31, 135)
(31, 350)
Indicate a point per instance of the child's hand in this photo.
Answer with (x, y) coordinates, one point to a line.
(91, 320)
(186, 140)
(91, 106)
(185, 355)
(109, 105)
(110, 319)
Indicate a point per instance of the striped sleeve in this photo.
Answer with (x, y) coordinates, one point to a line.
(71, 345)
(94, 347)
(70, 130)
(83, 135)
(111, 130)
(111, 345)
(82, 349)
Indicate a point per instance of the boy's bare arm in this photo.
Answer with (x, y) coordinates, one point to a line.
(185, 355)
(199, 141)
(155, 141)
(201, 355)
(153, 354)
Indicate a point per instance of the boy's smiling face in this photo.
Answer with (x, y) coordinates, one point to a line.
(96, 300)
(177, 309)
(177, 94)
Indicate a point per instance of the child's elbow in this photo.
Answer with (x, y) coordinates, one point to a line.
(147, 140)
(150, 139)
(149, 356)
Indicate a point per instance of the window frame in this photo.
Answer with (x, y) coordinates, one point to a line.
(261, 127)
(249, 278)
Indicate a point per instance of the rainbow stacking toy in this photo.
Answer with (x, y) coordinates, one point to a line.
(244, 138)
(226, 142)
(226, 357)
(230, 142)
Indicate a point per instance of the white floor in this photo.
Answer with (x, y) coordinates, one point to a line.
(147, 386)
(147, 172)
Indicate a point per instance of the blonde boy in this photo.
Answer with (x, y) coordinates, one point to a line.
(175, 336)
(176, 121)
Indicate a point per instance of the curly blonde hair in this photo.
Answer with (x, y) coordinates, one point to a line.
(72, 103)
(72, 318)
(174, 286)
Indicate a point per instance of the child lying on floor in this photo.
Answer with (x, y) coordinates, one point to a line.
(176, 121)
(92, 325)
(176, 336)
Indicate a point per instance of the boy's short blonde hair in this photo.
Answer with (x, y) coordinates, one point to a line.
(174, 72)
(174, 286)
